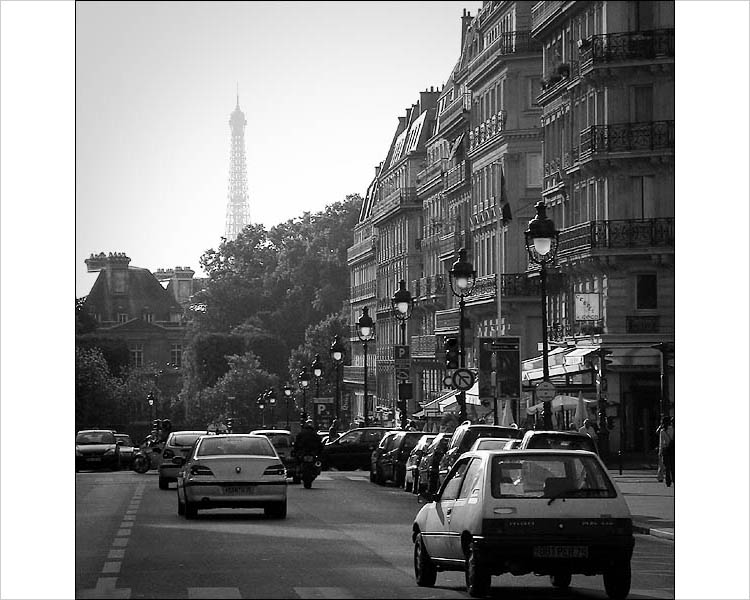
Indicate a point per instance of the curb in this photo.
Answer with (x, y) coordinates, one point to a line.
(660, 533)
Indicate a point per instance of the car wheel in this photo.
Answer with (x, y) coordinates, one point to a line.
(560, 580)
(425, 571)
(275, 511)
(180, 505)
(163, 483)
(478, 577)
(372, 477)
(617, 581)
(190, 510)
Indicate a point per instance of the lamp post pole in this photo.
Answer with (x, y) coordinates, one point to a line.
(317, 369)
(262, 406)
(271, 397)
(304, 381)
(463, 278)
(365, 331)
(150, 399)
(541, 244)
(665, 350)
(287, 395)
(402, 305)
(337, 355)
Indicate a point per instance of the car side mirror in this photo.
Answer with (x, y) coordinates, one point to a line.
(178, 460)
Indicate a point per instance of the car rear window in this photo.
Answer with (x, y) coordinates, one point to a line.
(250, 446)
(279, 440)
(95, 437)
(185, 439)
(548, 476)
(125, 439)
(559, 442)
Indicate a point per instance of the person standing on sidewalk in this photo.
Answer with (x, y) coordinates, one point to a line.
(666, 449)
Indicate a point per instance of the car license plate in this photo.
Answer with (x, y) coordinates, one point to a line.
(238, 490)
(561, 551)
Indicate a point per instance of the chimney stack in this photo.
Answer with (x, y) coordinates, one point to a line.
(465, 22)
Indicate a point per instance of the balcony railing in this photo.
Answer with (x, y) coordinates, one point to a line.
(485, 287)
(458, 106)
(363, 290)
(431, 171)
(641, 324)
(447, 319)
(541, 11)
(357, 374)
(627, 137)
(423, 345)
(512, 42)
(487, 130)
(627, 46)
(615, 234)
(457, 175)
(360, 248)
(399, 197)
(559, 331)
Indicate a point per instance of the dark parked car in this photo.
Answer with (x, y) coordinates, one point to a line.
(353, 449)
(97, 448)
(557, 440)
(464, 437)
(428, 466)
(412, 463)
(389, 458)
(127, 449)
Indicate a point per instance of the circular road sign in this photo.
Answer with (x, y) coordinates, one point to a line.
(463, 379)
(545, 391)
(447, 381)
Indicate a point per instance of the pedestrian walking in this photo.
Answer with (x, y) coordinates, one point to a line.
(333, 432)
(666, 449)
(589, 429)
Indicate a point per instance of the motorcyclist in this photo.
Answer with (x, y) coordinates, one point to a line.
(308, 441)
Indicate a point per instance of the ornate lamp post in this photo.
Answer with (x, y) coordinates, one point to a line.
(317, 369)
(271, 398)
(463, 277)
(262, 406)
(366, 332)
(541, 244)
(337, 356)
(304, 381)
(288, 391)
(401, 306)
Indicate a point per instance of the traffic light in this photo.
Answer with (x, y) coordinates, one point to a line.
(451, 353)
(230, 423)
(155, 425)
(601, 377)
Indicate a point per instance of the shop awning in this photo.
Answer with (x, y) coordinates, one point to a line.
(561, 361)
(562, 403)
(447, 402)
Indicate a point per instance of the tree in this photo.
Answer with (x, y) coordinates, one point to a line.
(114, 350)
(95, 391)
(85, 323)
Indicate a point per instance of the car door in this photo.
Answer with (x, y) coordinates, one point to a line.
(467, 507)
(368, 442)
(341, 452)
(444, 505)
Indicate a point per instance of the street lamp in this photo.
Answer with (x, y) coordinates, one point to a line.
(304, 381)
(665, 349)
(288, 391)
(271, 397)
(150, 399)
(262, 406)
(365, 332)
(317, 369)
(401, 306)
(337, 356)
(463, 277)
(541, 244)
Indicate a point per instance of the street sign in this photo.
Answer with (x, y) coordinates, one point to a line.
(447, 381)
(402, 374)
(545, 391)
(401, 362)
(463, 379)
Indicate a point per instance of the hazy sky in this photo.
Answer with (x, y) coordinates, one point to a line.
(321, 85)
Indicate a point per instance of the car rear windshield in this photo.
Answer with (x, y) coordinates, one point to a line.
(184, 439)
(549, 476)
(279, 440)
(250, 446)
(560, 442)
(95, 437)
(125, 439)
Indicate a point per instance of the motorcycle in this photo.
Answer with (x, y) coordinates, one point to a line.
(309, 469)
(144, 457)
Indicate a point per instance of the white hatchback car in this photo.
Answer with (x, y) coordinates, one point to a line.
(232, 471)
(548, 512)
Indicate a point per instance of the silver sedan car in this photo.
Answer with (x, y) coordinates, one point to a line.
(231, 471)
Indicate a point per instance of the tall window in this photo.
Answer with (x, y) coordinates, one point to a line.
(175, 354)
(136, 354)
(122, 317)
(148, 317)
(645, 290)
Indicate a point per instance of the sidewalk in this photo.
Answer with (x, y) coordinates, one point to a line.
(650, 502)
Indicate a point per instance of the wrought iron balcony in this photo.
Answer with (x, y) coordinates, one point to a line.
(485, 287)
(423, 346)
(447, 319)
(629, 46)
(557, 332)
(431, 171)
(487, 130)
(627, 137)
(363, 290)
(361, 248)
(617, 234)
(457, 175)
(459, 105)
(512, 42)
(542, 11)
(355, 374)
(641, 324)
(399, 197)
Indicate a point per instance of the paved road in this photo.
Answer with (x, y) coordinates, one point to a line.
(345, 538)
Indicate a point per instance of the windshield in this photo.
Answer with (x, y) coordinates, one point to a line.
(491, 444)
(548, 476)
(184, 439)
(95, 437)
(125, 439)
(561, 442)
(249, 446)
(279, 440)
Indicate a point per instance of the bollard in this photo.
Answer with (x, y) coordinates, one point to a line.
(619, 458)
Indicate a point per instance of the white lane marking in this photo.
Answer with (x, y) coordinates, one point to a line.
(213, 592)
(126, 524)
(105, 589)
(127, 517)
(324, 478)
(120, 542)
(123, 532)
(111, 567)
(116, 553)
(350, 478)
(322, 592)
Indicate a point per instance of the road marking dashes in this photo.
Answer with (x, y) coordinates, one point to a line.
(213, 592)
(105, 588)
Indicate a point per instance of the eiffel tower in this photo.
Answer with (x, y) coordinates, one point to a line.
(238, 208)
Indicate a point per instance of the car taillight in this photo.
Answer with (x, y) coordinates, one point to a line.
(275, 470)
(200, 470)
(168, 453)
